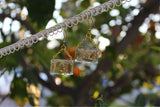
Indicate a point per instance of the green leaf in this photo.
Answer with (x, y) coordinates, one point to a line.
(40, 11)
(33, 94)
(59, 100)
(41, 53)
(85, 3)
(111, 53)
(29, 74)
(140, 100)
(18, 91)
(9, 61)
(100, 103)
(156, 48)
(152, 96)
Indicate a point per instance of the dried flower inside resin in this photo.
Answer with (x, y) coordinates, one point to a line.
(86, 54)
(64, 67)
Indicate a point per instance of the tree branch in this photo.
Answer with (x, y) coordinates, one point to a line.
(60, 89)
(3, 99)
(3, 35)
(3, 71)
(152, 6)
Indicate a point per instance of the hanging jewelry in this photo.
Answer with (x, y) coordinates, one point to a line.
(62, 66)
(86, 53)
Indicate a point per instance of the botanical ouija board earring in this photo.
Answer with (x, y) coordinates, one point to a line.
(62, 66)
(86, 52)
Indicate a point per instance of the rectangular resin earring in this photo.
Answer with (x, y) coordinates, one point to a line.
(88, 54)
(62, 66)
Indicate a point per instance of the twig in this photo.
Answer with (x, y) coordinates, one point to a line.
(4, 98)
(3, 71)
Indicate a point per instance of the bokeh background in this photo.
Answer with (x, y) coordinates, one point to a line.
(127, 73)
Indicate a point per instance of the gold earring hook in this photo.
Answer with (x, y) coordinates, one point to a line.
(63, 47)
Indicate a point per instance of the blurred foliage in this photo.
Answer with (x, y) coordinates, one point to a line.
(42, 54)
(140, 61)
(140, 100)
(57, 100)
(39, 11)
(10, 61)
(33, 94)
(18, 91)
(100, 103)
(155, 48)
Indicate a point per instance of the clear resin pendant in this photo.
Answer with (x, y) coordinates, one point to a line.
(62, 67)
(87, 55)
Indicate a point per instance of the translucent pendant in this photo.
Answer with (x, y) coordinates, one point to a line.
(87, 55)
(63, 67)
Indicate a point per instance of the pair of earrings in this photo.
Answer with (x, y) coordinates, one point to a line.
(85, 53)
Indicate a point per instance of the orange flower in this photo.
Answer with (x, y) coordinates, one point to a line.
(76, 71)
(71, 51)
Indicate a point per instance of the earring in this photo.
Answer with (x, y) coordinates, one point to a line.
(86, 52)
(62, 66)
